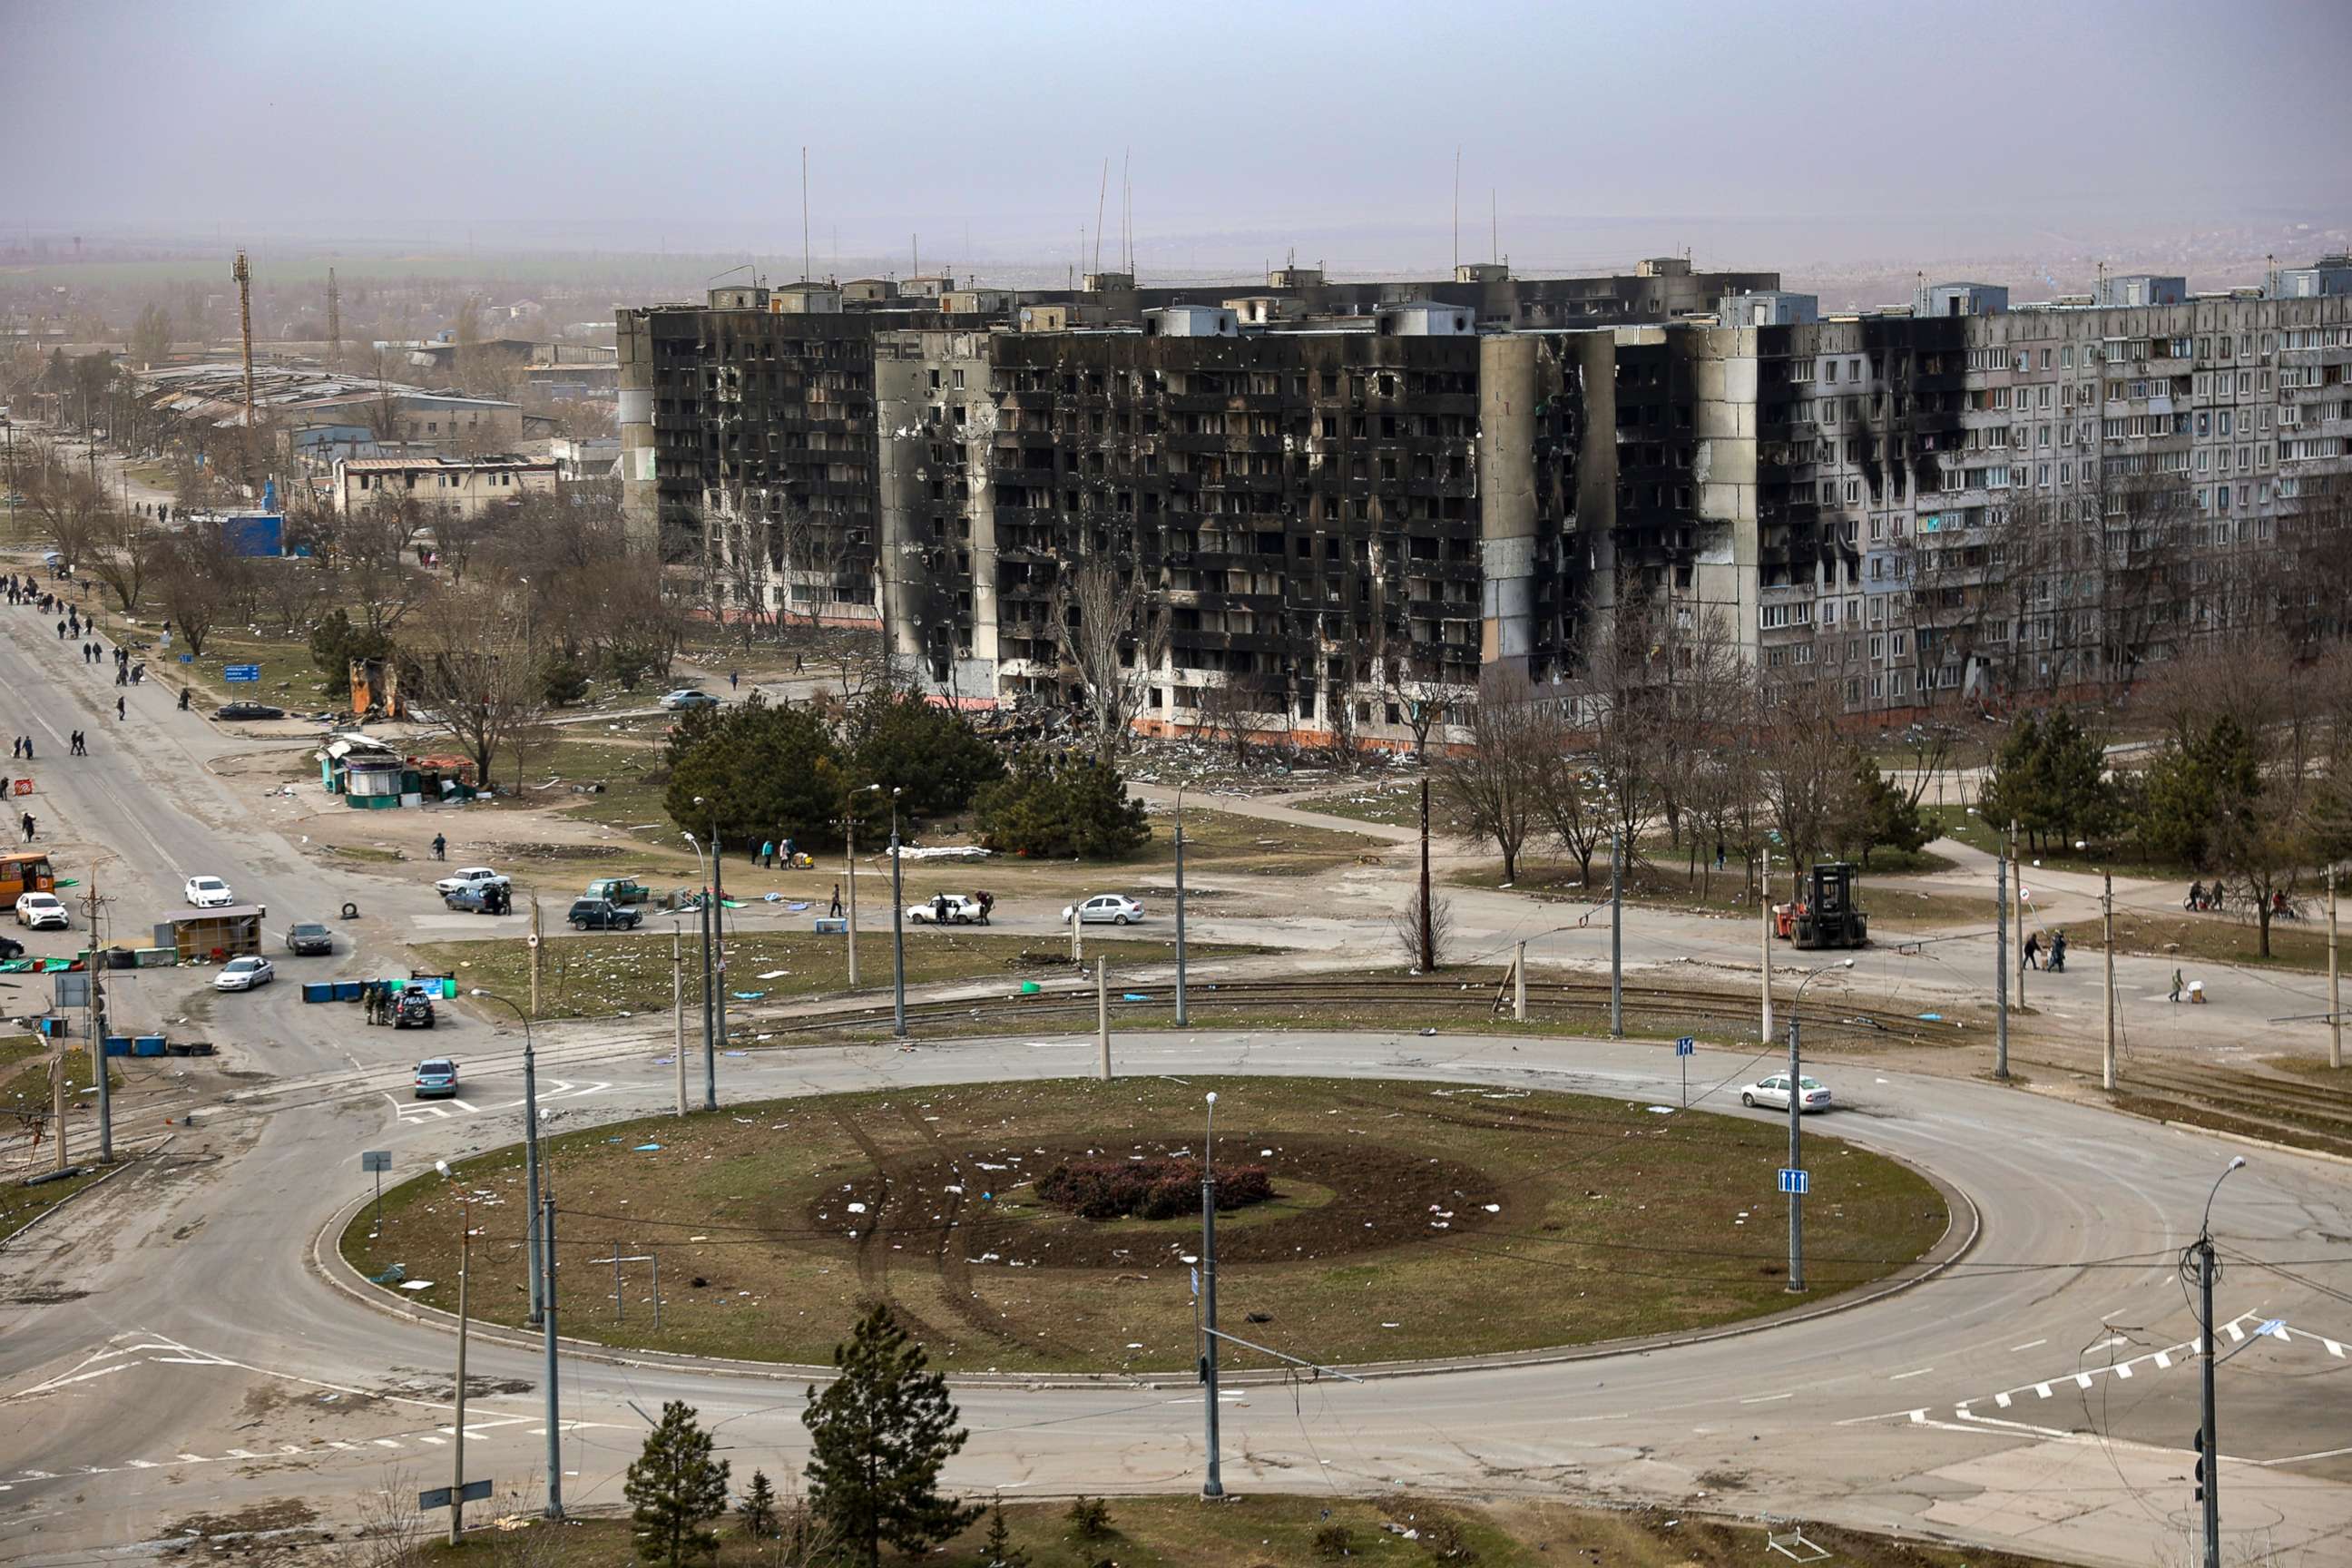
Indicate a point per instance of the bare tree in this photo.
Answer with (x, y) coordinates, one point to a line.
(199, 576)
(1499, 786)
(1238, 707)
(474, 670)
(373, 563)
(1406, 925)
(70, 504)
(292, 588)
(1412, 697)
(1804, 768)
(129, 551)
(1114, 631)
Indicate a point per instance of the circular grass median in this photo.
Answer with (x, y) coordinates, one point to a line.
(1407, 1220)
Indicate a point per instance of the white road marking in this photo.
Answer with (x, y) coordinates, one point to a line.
(2163, 1359)
(2028, 1345)
(77, 1377)
(2123, 1369)
(1767, 1398)
(1901, 1376)
(2001, 1400)
(2043, 1389)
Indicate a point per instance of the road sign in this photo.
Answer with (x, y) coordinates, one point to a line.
(247, 672)
(1797, 1182)
(375, 1160)
(1686, 1046)
(472, 1491)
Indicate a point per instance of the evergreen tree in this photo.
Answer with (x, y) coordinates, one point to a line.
(674, 1490)
(763, 772)
(879, 1433)
(998, 1551)
(1079, 808)
(1882, 814)
(931, 753)
(757, 1508)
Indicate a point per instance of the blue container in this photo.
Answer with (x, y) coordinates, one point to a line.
(118, 1044)
(348, 990)
(828, 926)
(318, 991)
(147, 1046)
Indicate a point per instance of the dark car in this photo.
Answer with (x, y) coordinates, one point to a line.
(309, 939)
(10, 948)
(413, 1011)
(242, 709)
(603, 914)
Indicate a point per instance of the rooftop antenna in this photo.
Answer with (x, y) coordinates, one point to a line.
(335, 321)
(1102, 194)
(1457, 203)
(804, 221)
(1125, 212)
(243, 274)
(916, 240)
(1494, 227)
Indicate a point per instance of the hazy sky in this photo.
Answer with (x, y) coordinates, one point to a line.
(662, 122)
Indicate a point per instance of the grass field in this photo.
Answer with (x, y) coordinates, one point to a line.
(25, 1088)
(1260, 1531)
(603, 972)
(2211, 939)
(1411, 1220)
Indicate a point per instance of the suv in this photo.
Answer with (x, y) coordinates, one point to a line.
(41, 911)
(603, 914)
(413, 1011)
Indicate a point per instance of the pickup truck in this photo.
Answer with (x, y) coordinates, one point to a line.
(620, 890)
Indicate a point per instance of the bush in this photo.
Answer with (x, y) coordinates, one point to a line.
(564, 680)
(1089, 1518)
(1079, 808)
(1148, 1189)
(1335, 1541)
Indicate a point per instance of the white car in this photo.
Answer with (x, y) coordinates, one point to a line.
(208, 893)
(469, 879)
(961, 910)
(42, 911)
(1116, 909)
(1774, 1091)
(244, 974)
(686, 696)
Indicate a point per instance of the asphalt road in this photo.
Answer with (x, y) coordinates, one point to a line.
(169, 1347)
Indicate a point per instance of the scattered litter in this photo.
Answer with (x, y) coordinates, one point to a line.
(1494, 1208)
(416, 1285)
(1662, 1111)
(748, 995)
(798, 906)
(857, 1208)
(698, 1238)
(1393, 1325)
(775, 975)
(1931, 1017)
(646, 1149)
(741, 1053)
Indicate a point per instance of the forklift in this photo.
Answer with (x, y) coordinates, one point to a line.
(1824, 914)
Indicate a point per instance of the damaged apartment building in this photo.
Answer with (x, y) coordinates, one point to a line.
(1334, 503)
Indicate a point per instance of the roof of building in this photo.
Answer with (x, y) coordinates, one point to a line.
(489, 460)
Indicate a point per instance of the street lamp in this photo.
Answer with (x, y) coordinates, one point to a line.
(2108, 953)
(2209, 1456)
(530, 1147)
(710, 972)
(1796, 1135)
(898, 926)
(1181, 1017)
(1213, 1484)
(464, 1274)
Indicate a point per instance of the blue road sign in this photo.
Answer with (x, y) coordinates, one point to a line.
(472, 1491)
(241, 672)
(1686, 1046)
(1797, 1182)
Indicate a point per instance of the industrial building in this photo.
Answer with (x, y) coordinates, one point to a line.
(1329, 503)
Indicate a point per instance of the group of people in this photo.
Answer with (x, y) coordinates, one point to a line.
(2057, 951)
(22, 749)
(2202, 899)
(22, 590)
(765, 855)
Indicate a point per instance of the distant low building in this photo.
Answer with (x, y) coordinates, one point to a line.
(469, 486)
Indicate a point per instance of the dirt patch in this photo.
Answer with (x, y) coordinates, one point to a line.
(283, 1513)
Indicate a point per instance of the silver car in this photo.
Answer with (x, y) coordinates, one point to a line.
(1813, 1094)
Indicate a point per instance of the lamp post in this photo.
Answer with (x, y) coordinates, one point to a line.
(1213, 1484)
(2209, 1456)
(709, 988)
(529, 1151)
(457, 1429)
(1183, 1018)
(897, 928)
(1796, 1133)
(718, 901)
(2107, 946)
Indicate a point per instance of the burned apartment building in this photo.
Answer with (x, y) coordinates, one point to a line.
(1338, 503)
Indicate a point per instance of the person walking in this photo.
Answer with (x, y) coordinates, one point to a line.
(734, 679)
(835, 912)
(61, 631)
(2034, 950)
(2176, 985)
(119, 711)
(766, 856)
(440, 848)
(30, 828)
(28, 748)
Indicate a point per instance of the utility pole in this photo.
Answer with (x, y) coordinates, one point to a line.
(535, 945)
(1183, 1018)
(1796, 1161)
(243, 274)
(98, 1022)
(2020, 907)
(677, 1008)
(2334, 986)
(457, 1432)
(535, 1241)
(850, 859)
(1428, 932)
(2209, 1458)
(1617, 935)
(554, 1427)
(1764, 941)
(1102, 1013)
(708, 988)
(1519, 985)
(898, 930)
(1213, 1486)
(2107, 938)
(2000, 962)
(718, 1037)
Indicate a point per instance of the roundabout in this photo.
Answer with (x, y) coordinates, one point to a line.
(1402, 1222)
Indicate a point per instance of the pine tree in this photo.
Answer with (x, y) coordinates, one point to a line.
(879, 1435)
(758, 1507)
(998, 1551)
(675, 1490)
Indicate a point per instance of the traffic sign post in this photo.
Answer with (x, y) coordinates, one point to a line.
(439, 1497)
(377, 1161)
(1683, 1049)
(1795, 1183)
(241, 672)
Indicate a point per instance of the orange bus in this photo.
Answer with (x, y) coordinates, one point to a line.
(25, 873)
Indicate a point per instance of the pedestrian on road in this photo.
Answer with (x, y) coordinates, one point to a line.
(797, 665)
(765, 855)
(792, 853)
(1719, 854)
(28, 748)
(440, 848)
(29, 827)
(734, 679)
(119, 712)
(61, 631)
(2176, 985)
(835, 913)
(2034, 950)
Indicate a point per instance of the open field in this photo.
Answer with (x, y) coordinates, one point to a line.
(1664, 884)
(1260, 1531)
(602, 972)
(1410, 1220)
(2192, 939)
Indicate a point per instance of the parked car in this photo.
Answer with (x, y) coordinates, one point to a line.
(244, 974)
(413, 1011)
(10, 948)
(620, 890)
(208, 893)
(1116, 909)
(951, 909)
(686, 696)
(244, 710)
(482, 899)
(309, 939)
(1774, 1091)
(603, 914)
(467, 876)
(42, 911)
(437, 1079)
